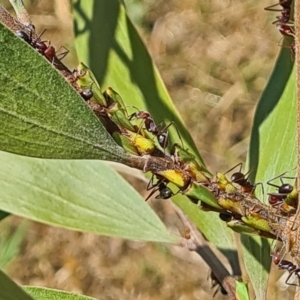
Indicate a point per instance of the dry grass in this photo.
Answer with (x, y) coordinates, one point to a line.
(215, 58)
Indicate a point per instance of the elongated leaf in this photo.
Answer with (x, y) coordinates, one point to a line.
(40, 114)
(50, 294)
(11, 291)
(109, 44)
(242, 291)
(273, 151)
(74, 195)
(10, 243)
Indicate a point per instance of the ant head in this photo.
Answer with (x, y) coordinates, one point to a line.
(285, 3)
(23, 35)
(276, 257)
(285, 188)
(142, 114)
(237, 177)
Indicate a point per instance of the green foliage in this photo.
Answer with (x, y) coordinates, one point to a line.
(109, 44)
(273, 150)
(81, 195)
(49, 294)
(10, 243)
(42, 116)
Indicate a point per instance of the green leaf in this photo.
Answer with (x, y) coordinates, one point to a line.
(109, 44)
(41, 115)
(10, 243)
(273, 150)
(80, 195)
(11, 291)
(50, 294)
(242, 291)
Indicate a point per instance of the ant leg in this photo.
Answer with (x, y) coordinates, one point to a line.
(62, 55)
(151, 183)
(133, 115)
(257, 184)
(286, 177)
(152, 192)
(297, 273)
(239, 164)
(272, 184)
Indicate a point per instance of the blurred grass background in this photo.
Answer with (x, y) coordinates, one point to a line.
(215, 58)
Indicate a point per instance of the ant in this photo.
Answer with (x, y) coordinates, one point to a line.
(285, 11)
(286, 265)
(278, 199)
(164, 191)
(48, 51)
(159, 131)
(242, 179)
(282, 23)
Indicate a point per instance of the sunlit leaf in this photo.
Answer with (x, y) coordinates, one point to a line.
(10, 242)
(109, 44)
(50, 294)
(40, 114)
(74, 194)
(241, 291)
(273, 151)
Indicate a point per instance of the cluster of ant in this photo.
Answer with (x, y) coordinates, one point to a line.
(233, 198)
(283, 22)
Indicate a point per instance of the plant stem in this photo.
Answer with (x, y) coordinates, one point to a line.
(297, 58)
(203, 249)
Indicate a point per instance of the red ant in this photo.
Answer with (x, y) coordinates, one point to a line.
(242, 179)
(282, 22)
(48, 51)
(285, 11)
(159, 131)
(277, 199)
(286, 265)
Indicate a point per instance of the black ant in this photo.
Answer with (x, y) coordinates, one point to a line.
(159, 130)
(286, 265)
(164, 191)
